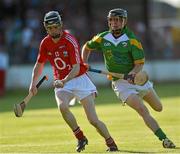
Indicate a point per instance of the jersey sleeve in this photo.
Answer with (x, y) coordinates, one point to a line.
(42, 53)
(74, 51)
(137, 51)
(94, 43)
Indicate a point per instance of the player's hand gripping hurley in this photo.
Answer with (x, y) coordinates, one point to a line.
(19, 108)
(139, 79)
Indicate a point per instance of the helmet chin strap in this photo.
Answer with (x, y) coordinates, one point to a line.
(56, 36)
(116, 32)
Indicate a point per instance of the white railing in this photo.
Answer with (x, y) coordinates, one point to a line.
(161, 71)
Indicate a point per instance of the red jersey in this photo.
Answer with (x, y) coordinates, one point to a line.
(61, 55)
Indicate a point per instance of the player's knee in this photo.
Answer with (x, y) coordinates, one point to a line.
(159, 108)
(63, 107)
(142, 112)
(94, 122)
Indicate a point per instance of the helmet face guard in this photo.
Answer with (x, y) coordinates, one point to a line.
(118, 12)
(52, 18)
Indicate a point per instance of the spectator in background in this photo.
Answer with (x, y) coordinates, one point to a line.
(4, 62)
(15, 15)
(168, 43)
(4, 58)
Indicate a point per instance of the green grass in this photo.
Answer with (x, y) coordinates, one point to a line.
(42, 129)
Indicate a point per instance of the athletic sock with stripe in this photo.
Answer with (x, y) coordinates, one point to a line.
(160, 134)
(78, 133)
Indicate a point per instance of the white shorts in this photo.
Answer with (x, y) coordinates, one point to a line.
(123, 89)
(80, 87)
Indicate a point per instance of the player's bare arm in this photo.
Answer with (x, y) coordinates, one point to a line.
(137, 68)
(85, 53)
(37, 71)
(72, 74)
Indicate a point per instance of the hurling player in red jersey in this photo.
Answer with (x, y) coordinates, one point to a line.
(70, 80)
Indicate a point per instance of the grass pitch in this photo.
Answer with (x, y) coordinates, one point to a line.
(42, 129)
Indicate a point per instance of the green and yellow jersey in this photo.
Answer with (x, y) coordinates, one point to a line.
(120, 54)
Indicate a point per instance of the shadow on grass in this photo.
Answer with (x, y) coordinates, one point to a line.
(45, 97)
(129, 151)
(120, 151)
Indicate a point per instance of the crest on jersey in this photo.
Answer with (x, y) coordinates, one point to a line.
(124, 44)
(108, 54)
(49, 53)
(107, 44)
(65, 53)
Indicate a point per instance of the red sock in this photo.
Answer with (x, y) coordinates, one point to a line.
(110, 142)
(78, 133)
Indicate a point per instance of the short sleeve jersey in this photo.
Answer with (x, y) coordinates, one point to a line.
(120, 54)
(61, 55)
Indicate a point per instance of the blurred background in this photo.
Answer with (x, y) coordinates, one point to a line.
(155, 22)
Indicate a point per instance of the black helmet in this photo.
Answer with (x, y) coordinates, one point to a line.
(52, 17)
(117, 12)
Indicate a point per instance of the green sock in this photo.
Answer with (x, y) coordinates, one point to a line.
(160, 134)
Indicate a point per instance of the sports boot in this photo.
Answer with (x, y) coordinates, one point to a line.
(81, 144)
(167, 143)
(112, 149)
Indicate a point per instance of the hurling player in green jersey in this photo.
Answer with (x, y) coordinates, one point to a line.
(123, 53)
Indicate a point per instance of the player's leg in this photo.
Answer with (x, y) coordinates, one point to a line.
(89, 107)
(63, 98)
(153, 100)
(136, 103)
(132, 94)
